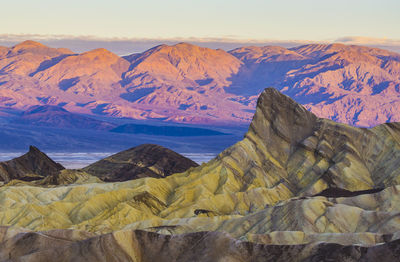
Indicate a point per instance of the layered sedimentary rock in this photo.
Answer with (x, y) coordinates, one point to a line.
(146, 160)
(296, 188)
(200, 246)
(33, 165)
(64, 177)
(303, 155)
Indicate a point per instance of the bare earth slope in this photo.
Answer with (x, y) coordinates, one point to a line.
(146, 160)
(33, 165)
(256, 201)
(187, 83)
(200, 246)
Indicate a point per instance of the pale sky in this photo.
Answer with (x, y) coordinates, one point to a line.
(241, 19)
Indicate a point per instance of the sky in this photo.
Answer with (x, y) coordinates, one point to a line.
(259, 21)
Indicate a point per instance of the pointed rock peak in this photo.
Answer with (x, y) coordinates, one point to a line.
(38, 156)
(31, 166)
(33, 149)
(279, 116)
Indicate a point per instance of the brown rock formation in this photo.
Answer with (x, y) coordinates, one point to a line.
(146, 160)
(33, 165)
(141, 246)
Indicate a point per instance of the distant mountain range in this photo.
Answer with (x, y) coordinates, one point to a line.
(189, 84)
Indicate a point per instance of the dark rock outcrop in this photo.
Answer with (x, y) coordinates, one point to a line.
(200, 246)
(146, 160)
(33, 165)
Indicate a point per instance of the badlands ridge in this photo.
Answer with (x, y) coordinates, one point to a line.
(296, 188)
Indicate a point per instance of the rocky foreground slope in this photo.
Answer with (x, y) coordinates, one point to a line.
(277, 195)
(187, 83)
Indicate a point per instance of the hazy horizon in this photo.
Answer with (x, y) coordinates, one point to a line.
(126, 27)
(126, 46)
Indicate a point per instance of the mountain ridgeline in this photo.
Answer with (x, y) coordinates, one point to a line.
(146, 160)
(190, 84)
(34, 165)
(142, 161)
(296, 188)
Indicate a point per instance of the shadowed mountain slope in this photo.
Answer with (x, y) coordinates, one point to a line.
(57, 116)
(142, 161)
(27, 57)
(95, 72)
(33, 165)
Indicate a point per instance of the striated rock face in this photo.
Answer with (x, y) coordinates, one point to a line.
(33, 165)
(296, 188)
(64, 177)
(142, 161)
(201, 246)
(187, 83)
(304, 154)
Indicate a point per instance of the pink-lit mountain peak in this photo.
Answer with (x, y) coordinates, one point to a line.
(29, 46)
(184, 62)
(187, 83)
